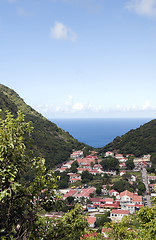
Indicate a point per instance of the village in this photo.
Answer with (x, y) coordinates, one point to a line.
(107, 199)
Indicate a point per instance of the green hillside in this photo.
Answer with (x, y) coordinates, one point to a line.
(138, 142)
(49, 141)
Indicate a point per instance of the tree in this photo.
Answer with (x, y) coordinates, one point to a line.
(86, 176)
(63, 179)
(101, 220)
(70, 200)
(110, 163)
(21, 200)
(71, 225)
(141, 188)
(120, 230)
(130, 164)
(98, 190)
(74, 167)
(119, 186)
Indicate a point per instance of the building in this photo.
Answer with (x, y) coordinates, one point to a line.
(109, 154)
(130, 200)
(84, 193)
(118, 214)
(77, 154)
(113, 193)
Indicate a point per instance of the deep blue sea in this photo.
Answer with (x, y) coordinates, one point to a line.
(101, 131)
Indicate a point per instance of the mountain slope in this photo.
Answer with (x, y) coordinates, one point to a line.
(49, 141)
(138, 142)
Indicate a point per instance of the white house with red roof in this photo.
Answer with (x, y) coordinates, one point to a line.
(109, 154)
(67, 164)
(121, 160)
(84, 193)
(108, 205)
(62, 169)
(76, 154)
(74, 177)
(95, 200)
(107, 200)
(122, 172)
(97, 167)
(111, 172)
(122, 165)
(71, 193)
(128, 198)
(119, 156)
(118, 214)
(113, 193)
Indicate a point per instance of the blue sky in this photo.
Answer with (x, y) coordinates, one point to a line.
(81, 58)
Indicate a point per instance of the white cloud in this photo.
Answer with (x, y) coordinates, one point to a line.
(78, 106)
(146, 105)
(142, 7)
(60, 31)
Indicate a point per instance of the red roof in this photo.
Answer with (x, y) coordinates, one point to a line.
(127, 193)
(88, 235)
(81, 169)
(75, 179)
(111, 191)
(119, 155)
(85, 192)
(110, 205)
(120, 211)
(95, 199)
(70, 193)
(93, 171)
(91, 220)
(89, 156)
(137, 198)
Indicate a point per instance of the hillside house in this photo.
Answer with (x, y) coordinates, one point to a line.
(77, 154)
(118, 214)
(71, 193)
(119, 156)
(109, 154)
(122, 173)
(74, 178)
(84, 193)
(122, 165)
(128, 200)
(113, 193)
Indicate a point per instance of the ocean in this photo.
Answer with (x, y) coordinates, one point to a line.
(101, 131)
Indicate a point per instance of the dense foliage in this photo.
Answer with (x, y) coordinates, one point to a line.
(138, 142)
(21, 201)
(110, 163)
(49, 141)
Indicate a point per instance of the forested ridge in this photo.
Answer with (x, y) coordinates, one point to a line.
(138, 142)
(49, 141)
